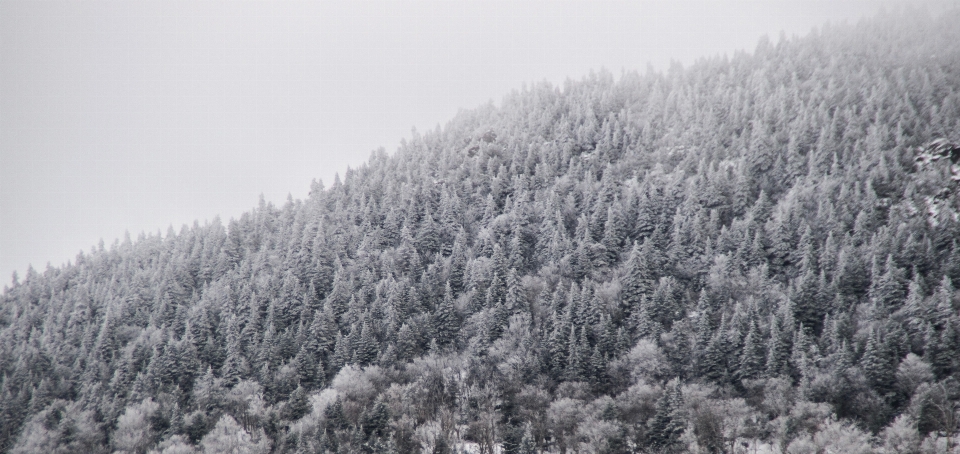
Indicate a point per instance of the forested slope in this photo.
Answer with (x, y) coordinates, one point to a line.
(736, 255)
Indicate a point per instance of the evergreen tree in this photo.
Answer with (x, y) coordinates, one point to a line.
(458, 264)
(598, 369)
(578, 356)
(367, 347)
(808, 308)
(877, 364)
(445, 319)
(943, 354)
(665, 306)
(637, 280)
(752, 357)
(557, 349)
(669, 422)
(406, 343)
(780, 348)
(887, 289)
(297, 405)
(614, 234)
(713, 364)
(375, 419)
(308, 371)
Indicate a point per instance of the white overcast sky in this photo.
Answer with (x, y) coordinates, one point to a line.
(137, 115)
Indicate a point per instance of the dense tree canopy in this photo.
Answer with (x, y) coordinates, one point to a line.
(739, 254)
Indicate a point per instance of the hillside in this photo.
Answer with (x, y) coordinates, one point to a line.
(741, 254)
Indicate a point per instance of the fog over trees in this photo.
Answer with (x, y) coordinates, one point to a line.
(742, 255)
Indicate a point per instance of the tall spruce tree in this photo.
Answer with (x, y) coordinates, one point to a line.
(669, 421)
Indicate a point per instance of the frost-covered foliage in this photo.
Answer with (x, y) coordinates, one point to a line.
(739, 256)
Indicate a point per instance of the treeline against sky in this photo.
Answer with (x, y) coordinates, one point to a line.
(736, 255)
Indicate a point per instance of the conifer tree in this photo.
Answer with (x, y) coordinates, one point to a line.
(375, 419)
(944, 356)
(445, 319)
(669, 422)
(307, 368)
(497, 291)
(578, 356)
(780, 348)
(557, 348)
(713, 364)
(367, 347)
(341, 354)
(324, 329)
(877, 364)
(806, 302)
(636, 281)
(458, 264)
(752, 358)
(886, 288)
(642, 324)
(704, 324)
(406, 343)
(664, 305)
(297, 404)
(614, 233)
(598, 369)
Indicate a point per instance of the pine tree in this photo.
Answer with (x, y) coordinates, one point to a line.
(713, 365)
(406, 343)
(598, 369)
(664, 304)
(877, 364)
(308, 371)
(557, 349)
(704, 324)
(637, 279)
(590, 309)
(607, 335)
(780, 347)
(341, 354)
(642, 324)
(367, 349)
(752, 357)
(324, 330)
(297, 404)
(614, 233)
(374, 421)
(335, 419)
(800, 354)
(339, 296)
(945, 360)
(497, 291)
(669, 422)
(518, 249)
(578, 356)
(458, 264)
(806, 302)
(445, 319)
(428, 238)
(514, 299)
(886, 289)
(498, 321)
(580, 262)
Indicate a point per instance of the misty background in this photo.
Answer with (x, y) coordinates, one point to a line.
(134, 116)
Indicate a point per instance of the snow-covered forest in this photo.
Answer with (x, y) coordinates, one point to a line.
(741, 255)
